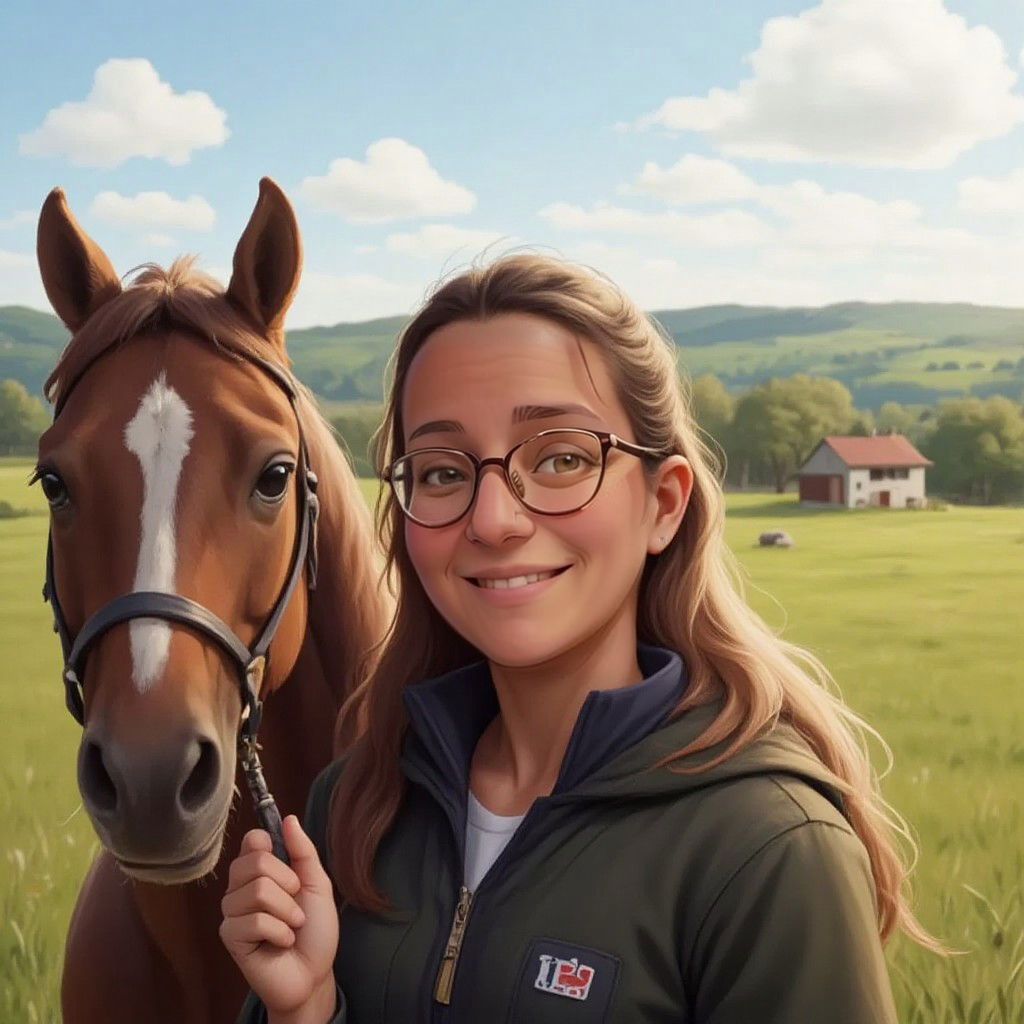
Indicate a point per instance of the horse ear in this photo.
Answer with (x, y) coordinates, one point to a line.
(268, 259)
(77, 275)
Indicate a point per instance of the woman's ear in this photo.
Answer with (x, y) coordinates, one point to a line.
(671, 489)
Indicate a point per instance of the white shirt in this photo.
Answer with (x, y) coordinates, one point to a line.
(487, 835)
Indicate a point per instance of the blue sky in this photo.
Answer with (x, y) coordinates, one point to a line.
(758, 151)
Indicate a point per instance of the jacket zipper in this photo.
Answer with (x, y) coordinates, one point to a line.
(450, 960)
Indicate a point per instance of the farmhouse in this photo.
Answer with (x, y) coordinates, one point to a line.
(885, 471)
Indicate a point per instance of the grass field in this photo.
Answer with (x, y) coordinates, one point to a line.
(918, 614)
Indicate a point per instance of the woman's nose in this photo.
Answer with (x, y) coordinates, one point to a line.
(496, 513)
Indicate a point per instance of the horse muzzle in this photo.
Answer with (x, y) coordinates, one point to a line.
(159, 806)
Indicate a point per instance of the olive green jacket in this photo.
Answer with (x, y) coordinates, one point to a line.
(630, 895)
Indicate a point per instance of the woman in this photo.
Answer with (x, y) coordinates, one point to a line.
(590, 784)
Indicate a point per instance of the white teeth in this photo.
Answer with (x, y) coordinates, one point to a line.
(515, 581)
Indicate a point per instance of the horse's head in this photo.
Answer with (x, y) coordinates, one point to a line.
(174, 466)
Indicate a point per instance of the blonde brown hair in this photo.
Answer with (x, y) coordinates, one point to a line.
(690, 599)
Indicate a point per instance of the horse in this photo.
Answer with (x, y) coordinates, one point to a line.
(192, 483)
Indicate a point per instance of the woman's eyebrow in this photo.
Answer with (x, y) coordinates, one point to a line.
(438, 427)
(521, 414)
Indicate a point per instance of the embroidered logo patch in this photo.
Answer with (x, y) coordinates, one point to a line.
(567, 978)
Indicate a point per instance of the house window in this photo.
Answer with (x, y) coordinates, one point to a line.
(902, 474)
(859, 485)
(877, 474)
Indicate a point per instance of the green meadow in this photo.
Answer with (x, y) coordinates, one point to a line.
(919, 615)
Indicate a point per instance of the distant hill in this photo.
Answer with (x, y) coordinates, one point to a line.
(908, 352)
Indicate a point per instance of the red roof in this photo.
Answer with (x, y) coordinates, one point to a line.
(879, 451)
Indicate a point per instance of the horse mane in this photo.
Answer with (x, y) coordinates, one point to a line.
(348, 611)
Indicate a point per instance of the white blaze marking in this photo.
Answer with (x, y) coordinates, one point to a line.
(158, 435)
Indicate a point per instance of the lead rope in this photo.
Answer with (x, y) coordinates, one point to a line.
(268, 815)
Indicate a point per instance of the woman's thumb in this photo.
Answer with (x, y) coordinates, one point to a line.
(304, 857)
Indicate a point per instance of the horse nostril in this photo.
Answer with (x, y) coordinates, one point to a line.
(96, 784)
(202, 780)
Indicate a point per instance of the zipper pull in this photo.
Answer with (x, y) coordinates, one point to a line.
(450, 960)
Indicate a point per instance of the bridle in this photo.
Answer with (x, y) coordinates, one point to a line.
(250, 662)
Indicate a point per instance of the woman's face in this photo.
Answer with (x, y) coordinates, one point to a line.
(482, 387)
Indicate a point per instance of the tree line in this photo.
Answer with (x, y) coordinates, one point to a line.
(760, 436)
(766, 433)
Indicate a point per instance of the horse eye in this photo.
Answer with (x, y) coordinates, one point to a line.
(54, 489)
(273, 481)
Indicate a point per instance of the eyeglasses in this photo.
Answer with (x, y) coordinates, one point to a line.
(554, 473)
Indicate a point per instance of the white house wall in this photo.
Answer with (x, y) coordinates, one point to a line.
(900, 491)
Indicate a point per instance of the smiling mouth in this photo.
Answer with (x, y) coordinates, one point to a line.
(514, 582)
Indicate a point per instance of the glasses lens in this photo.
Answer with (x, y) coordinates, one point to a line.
(557, 471)
(433, 486)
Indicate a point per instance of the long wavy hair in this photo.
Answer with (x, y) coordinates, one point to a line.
(690, 601)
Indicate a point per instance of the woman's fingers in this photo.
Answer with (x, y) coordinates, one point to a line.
(255, 860)
(252, 930)
(262, 895)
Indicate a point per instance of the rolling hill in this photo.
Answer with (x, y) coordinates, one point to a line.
(907, 352)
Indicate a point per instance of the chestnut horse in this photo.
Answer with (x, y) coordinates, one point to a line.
(176, 465)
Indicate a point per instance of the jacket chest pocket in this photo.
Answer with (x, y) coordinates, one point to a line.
(562, 983)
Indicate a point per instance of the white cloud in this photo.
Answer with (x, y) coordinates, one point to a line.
(444, 241)
(325, 299)
(158, 240)
(154, 209)
(17, 218)
(993, 195)
(128, 112)
(693, 179)
(20, 284)
(15, 260)
(874, 82)
(395, 181)
(723, 228)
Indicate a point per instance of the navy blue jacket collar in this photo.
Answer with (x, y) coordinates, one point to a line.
(448, 714)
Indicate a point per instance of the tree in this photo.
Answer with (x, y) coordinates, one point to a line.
(894, 418)
(712, 406)
(778, 423)
(978, 449)
(356, 428)
(22, 418)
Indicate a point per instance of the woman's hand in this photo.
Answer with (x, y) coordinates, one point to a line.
(281, 925)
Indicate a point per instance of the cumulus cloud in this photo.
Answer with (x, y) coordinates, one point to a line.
(129, 112)
(324, 299)
(723, 228)
(902, 83)
(158, 240)
(15, 260)
(693, 179)
(801, 219)
(443, 241)
(993, 195)
(154, 209)
(20, 284)
(396, 180)
(17, 218)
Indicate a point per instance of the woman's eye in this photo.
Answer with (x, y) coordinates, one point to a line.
(54, 489)
(273, 481)
(564, 462)
(443, 476)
